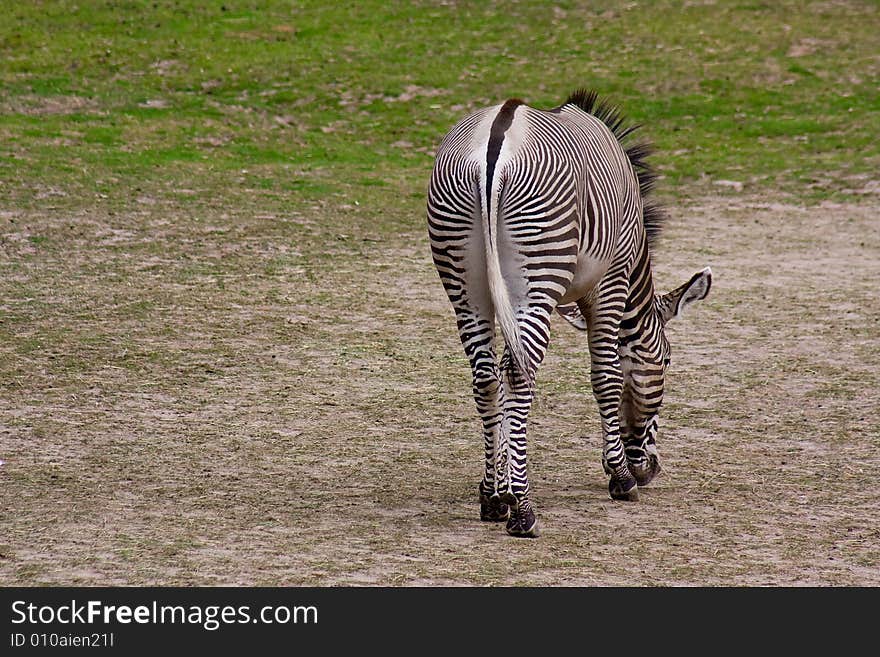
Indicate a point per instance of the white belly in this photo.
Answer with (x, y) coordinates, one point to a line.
(587, 275)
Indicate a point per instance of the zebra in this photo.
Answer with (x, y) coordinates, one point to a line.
(531, 211)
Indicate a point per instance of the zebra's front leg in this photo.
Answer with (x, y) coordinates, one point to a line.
(607, 385)
(641, 451)
(606, 378)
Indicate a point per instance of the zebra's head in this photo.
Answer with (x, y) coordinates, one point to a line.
(644, 359)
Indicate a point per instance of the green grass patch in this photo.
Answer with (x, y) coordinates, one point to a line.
(768, 94)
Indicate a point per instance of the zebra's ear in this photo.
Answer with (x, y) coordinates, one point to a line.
(573, 315)
(670, 305)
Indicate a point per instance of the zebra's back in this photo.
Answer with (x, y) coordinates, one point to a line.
(553, 180)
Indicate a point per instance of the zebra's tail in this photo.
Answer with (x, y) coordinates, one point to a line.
(519, 362)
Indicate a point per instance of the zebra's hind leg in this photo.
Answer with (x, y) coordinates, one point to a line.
(488, 395)
(518, 394)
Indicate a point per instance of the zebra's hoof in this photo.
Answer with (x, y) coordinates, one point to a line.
(509, 499)
(645, 472)
(493, 510)
(623, 486)
(523, 524)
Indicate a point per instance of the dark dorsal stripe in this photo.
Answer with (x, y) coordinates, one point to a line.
(496, 138)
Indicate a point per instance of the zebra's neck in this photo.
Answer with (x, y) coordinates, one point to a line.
(639, 313)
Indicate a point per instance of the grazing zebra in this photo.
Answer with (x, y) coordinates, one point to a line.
(531, 211)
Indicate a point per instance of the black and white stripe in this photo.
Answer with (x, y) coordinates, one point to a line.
(532, 211)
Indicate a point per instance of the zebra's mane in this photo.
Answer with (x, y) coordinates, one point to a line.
(654, 214)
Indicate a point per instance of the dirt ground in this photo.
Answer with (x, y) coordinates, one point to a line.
(239, 399)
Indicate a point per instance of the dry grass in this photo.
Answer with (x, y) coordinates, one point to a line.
(229, 397)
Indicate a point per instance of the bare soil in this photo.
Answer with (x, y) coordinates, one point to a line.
(245, 400)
